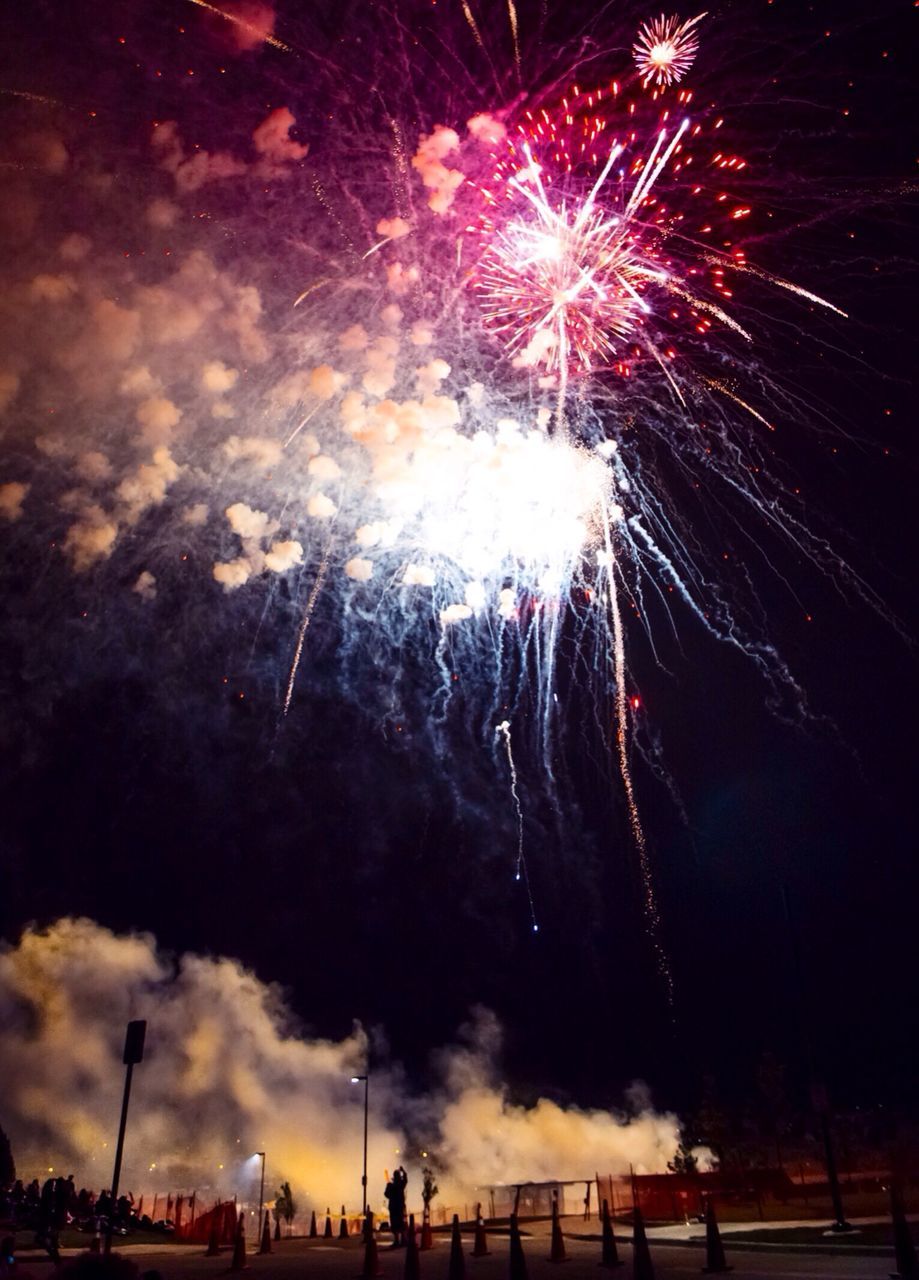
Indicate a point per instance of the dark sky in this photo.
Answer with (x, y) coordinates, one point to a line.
(139, 789)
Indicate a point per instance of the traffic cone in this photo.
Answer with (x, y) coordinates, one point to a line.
(642, 1266)
(343, 1225)
(904, 1249)
(265, 1246)
(518, 1263)
(313, 1232)
(239, 1247)
(457, 1269)
(714, 1249)
(610, 1255)
(277, 1228)
(371, 1261)
(427, 1235)
(327, 1234)
(95, 1245)
(412, 1260)
(213, 1240)
(557, 1252)
(480, 1247)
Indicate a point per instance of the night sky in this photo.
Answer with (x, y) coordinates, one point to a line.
(148, 783)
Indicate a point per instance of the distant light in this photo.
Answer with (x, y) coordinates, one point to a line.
(355, 1079)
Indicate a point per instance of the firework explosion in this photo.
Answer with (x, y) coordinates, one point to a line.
(439, 425)
(666, 48)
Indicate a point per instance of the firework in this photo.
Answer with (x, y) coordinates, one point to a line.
(354, 419)
(587, 238)
(666, 48)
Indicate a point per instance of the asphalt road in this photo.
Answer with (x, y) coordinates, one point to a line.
(326, 1260)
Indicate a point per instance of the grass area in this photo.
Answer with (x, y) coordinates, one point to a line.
(875, 1235)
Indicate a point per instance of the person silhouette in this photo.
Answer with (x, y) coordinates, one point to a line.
(395, 1196)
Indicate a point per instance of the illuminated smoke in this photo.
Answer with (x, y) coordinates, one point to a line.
(227, 1072)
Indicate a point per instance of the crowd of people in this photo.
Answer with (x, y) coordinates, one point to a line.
(48, 1208)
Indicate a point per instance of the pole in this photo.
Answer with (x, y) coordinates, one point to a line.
(261, 1194)
(133, 1053)
(366, 1112)
(818, 1093)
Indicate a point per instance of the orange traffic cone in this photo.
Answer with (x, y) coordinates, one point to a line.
(239, 1247)
(457, 1268)
(714, 1249)
(557, 1252)
(343, 1225)
(265, 1246)
(371, 1261)
(518, 1263)
(313, 1232)
(480, 1247)
(904, 1249)
(327, 1234)
(642, 1266)
(610, 1254)
(213, 1240)
(412, 1260)
(427, 1235)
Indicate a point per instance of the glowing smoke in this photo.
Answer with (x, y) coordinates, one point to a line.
(227, 1072)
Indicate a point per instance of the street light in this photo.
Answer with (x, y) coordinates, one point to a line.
(366, 1080)
(261, 1195)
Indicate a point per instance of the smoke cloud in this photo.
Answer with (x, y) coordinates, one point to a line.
(228, 1071)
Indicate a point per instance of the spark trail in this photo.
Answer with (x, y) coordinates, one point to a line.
(652, 912)
(304, 626)
(504, 728)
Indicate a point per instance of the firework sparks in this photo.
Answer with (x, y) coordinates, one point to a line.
(520, 870)
(424, 492)
(303, 628)
(570, 275)
(666, 48)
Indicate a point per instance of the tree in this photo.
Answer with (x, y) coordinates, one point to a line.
(7, 1163)
(429, 1189)
(684, 1161)
(284, 1205)
(712, 1123)
(770, 1079)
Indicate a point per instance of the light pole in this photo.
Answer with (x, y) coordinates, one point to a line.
(133, 1053)
(261, 1194)
(366, 1080)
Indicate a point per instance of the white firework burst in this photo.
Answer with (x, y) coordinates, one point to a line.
(666, 48)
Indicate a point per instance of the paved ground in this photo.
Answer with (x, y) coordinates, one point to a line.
(323, 1260)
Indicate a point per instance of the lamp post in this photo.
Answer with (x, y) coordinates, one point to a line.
(133, 1053)
(366, 1080)
(261, 1194)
